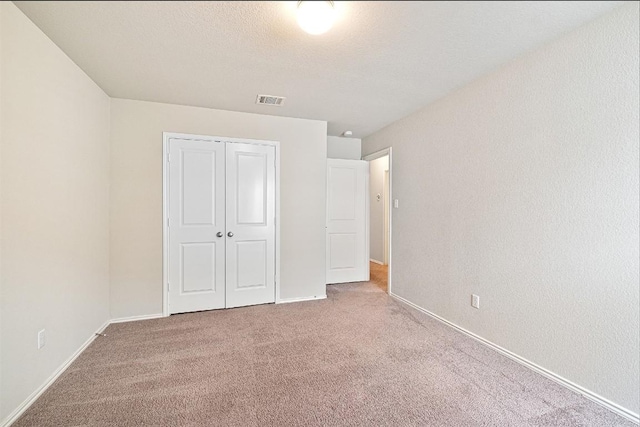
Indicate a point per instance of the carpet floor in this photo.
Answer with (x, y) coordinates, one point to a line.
(357, 358)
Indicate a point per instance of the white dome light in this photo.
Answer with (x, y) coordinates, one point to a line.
(315, 17)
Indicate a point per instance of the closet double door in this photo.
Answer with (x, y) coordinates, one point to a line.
(221, 224)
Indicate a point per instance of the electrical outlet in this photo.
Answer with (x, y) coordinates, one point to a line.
(475, 301)
(42, 339)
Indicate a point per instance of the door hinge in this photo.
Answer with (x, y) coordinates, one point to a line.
(168, 158)
(168, 287)
(168, 223)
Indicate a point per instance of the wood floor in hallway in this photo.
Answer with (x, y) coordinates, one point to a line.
(379, 275)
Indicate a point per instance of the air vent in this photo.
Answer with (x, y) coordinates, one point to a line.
(270, 100)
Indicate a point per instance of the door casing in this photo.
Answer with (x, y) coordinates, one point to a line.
(166, 137)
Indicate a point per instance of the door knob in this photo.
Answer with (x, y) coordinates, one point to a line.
(219, 234)
(230, 234)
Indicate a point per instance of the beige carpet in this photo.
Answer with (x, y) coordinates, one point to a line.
(378, 275)
(357, 358)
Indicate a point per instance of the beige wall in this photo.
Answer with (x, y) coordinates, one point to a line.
(522, 187)
(136, 196)
(54, 207)
(339, 147)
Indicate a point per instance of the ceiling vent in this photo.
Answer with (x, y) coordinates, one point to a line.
(270, 100)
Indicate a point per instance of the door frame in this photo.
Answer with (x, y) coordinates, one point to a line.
(387, 213)
(166, 136)
(369, 157)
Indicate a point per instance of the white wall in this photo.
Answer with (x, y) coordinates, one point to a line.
(522, 187)
(377, 168)
(54, 207)
(339, 147)
(136, 196)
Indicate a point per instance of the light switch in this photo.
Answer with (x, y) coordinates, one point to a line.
(395, 203)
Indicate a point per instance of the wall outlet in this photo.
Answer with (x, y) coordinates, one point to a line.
(42, 339)
(475, 301)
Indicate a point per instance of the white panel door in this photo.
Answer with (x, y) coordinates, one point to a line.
(251, 215)
(347, 216)
(196, 225)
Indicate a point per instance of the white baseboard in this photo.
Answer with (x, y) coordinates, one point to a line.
(136, 318)
(12, 417)
(623, 412)
(288, 300)
(376, 261)
(34, 396)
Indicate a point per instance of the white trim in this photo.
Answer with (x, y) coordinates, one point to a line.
(277, 145)
(376, 261)
(381, 153)
(165, 231)
(13, 417)
(289, 300)
(619, 410)
(136, 318)
(166, 136)
(367, 219)
(385, 237)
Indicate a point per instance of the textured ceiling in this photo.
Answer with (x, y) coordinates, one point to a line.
(380, 62)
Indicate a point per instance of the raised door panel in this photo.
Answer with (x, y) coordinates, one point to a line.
(343, 185)
(198, 187)
(343, 250)
(251, 188)
(198, 262)
(251, 264)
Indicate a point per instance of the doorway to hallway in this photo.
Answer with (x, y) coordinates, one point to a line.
(380, 204)
(379, 275)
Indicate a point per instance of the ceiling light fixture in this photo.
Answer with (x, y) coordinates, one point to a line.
(316, 17)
